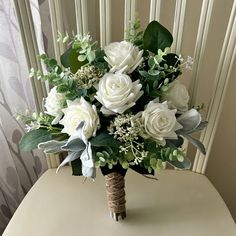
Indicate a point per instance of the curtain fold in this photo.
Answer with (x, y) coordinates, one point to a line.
(18, 170)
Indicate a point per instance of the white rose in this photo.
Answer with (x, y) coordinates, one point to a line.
(77, 111)
(117, 93)
(177, 95)
(159, 121)
(123, 56)
(54, 103)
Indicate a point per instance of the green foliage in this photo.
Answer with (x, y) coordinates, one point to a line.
(76, 167)
(122, 140)
(135, 35)
(85, 48)
(106, 156)
(161, 69)
(70, 59)
(34, 120)
(158, 155)
(185, 164)
(31, 139)
(175, 143)
(156, 37)
(104, 139)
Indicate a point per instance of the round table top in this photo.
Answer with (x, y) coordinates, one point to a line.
(180, 203)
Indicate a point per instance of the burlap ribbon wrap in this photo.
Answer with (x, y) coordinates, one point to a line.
(115, 188)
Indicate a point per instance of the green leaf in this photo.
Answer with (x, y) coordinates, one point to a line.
(155, 84)
(31, 139)
(185, 164)
(82, 58)
(62, 88)
(99, 56)
(104, 139)
(70, 59)
(156, 37)
(148, 76)
(154, 72)
(171, 59)
(71, 96)
(151, 147)
(52, 62)
(175, 143)
(76, 167)
(91, 56)
(155, 94)
(147, 89)
(151, 63)
(143, 73)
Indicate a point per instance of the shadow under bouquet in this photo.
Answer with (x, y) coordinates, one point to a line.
(115, 108)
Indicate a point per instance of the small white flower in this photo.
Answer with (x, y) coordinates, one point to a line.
(77, 111)
(160, 122)
(54, 103)
(117, 93)
(123, 56)
(177, 96)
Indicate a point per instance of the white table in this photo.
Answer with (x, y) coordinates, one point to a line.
(181, 203)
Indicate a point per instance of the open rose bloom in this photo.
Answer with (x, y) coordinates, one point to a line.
(117, 107)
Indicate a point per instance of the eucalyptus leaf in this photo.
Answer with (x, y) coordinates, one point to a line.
(143, 73)
(155, 84)
(156, 37)
(154, 72)
(31, 139)
(151, 63)
(91, 56)
(149, 77)
(82, 58)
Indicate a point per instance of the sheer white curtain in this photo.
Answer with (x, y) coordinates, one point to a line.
(18, 170)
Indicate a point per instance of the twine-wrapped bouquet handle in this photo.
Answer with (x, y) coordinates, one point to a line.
(115, 188)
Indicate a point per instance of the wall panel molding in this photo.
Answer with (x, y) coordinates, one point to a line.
(81, 13)
(200, 46)
(105, 22)
(226, 62)
(178, 26)
(155, 9)
(130, 8)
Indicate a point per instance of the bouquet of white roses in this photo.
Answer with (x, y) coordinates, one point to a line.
(116, 107)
